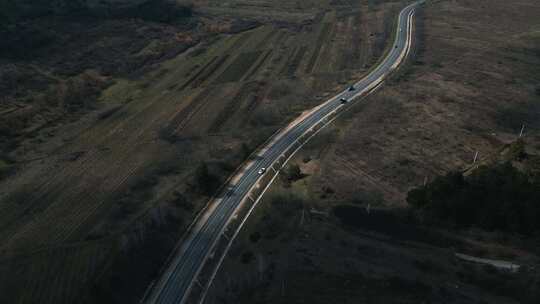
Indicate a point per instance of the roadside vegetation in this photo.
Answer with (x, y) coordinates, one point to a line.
(468, 89)
(118, 123)
(495, 198)
(206, 182)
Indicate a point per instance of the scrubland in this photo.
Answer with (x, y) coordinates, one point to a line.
(344, 232)
(118, 126)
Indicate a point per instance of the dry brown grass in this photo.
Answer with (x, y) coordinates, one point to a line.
(469, 87)
(121, 179)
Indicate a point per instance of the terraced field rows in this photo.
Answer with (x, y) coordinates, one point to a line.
(81, 261)
(329, 47)
(257, 67)
(207, 73)
(89, 183)
(199, 74)
(344, 52)
(55, 180)
(214, 89)
(182, 117)
(246, 97)
(256, 98)
(294, 60)
(73, 206)
(324, 33)
(241, 65)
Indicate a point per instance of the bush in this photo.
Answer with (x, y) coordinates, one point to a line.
(206, 182)
(293, 173)
(245, 151)
(255, 237)
(516, 151)
(247, 257)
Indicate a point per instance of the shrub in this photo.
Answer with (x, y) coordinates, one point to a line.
(247, 257)
(206, 182)
(255, 237)
(245, 151)
(293, 173)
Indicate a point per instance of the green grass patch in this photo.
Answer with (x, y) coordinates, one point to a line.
(122, 91)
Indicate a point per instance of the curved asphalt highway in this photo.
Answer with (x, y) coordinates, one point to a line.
(176, 281)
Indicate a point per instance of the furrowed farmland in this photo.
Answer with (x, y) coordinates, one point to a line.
(121, 184)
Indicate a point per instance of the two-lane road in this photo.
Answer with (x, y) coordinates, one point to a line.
(175, 283)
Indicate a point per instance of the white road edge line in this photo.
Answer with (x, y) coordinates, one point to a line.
(370, 89)
(278, 134)
(222, 258)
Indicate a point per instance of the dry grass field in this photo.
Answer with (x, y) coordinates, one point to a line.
(91, 193)
(471, 84)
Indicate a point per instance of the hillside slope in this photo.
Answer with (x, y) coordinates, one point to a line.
(340, 232)
(115, 131)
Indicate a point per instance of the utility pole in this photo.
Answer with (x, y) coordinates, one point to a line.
(475, 157)
(522, 129)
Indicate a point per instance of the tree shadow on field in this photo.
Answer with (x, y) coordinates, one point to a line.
(392, 225)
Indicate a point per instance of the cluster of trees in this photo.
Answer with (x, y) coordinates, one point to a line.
(21, 34)
(493, 198)
(156, 10)
(151, 10)
(293, 173)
